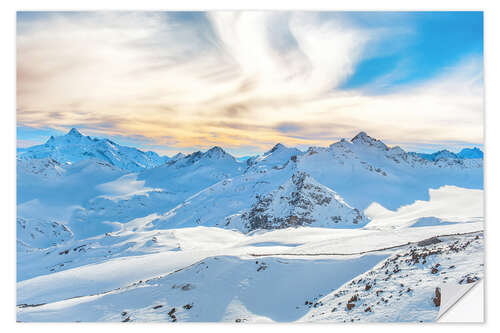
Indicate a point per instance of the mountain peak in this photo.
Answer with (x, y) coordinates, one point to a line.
(216, 149)
(360, 135)
(365, 139)
(300, 201)
(215, 152)
(74, 147)
(74, 132)
(467, 153)
(178, 156)
(276, 147)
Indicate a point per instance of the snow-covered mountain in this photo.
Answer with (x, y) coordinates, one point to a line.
(365, 170)
(205, 188)
(194, 172)
(275, 158)
(466, 153)
(108, 233)
(301, 201)
(74, 147)
(439, 155)
(361, 171)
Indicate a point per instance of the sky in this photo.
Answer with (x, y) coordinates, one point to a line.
(186, 81)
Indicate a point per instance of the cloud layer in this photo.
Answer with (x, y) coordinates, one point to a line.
(242, 80)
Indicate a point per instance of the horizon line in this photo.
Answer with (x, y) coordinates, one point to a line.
(241, 155)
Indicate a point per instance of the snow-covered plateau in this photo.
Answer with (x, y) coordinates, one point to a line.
(357, 231)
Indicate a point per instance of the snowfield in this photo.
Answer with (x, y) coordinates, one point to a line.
(357, 231)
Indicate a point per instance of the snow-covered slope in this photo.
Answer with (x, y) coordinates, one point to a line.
(405, 286)
(468, 206)
(37, 233)
(74, 147)
(259, 288)
(43, 167)
(300, 201)
(57, 194)
(220, 288)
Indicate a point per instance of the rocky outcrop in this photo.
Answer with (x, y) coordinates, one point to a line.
(300, 201)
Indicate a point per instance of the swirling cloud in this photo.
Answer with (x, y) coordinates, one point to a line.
(242, 80)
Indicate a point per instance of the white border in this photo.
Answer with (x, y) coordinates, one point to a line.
(7, 133)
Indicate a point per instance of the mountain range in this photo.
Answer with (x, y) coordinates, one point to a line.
(74, 147)
(326, 186)
(112, 233)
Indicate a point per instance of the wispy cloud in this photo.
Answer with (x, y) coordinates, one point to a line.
(237, 79)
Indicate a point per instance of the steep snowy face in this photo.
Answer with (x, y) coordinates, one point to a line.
(74, 147)
(301, 201)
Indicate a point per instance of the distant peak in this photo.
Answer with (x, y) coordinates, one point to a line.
(444, 151)
(360, 135)
(178, 156)
(276, 147)
(74, 132)
(365, 139)
(216, 149)
(216, 152)
(471, 153)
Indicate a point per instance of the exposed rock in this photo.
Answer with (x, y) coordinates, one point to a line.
(298, 202)
(429, 241)
(437, 298)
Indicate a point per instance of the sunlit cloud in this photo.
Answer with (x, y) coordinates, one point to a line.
(241, 80)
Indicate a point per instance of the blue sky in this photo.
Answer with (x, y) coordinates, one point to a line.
(437, 40)
(186, 81)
